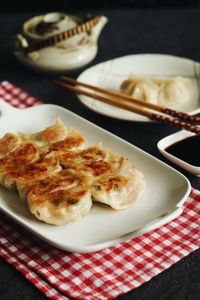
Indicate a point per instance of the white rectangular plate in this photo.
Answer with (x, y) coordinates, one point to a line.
(166, 189)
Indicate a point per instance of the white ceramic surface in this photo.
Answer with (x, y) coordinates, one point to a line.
(166, 189)
(67, 55)
(173, 138)
(112, 73)
(56, 60)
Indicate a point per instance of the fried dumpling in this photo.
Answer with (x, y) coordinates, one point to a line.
(60, 198)
(91, 161)
(33, 172)
(58, 179)
(107, 162)
(112, 179)
(8, 143)
(15, 162)
(74, 140)
(119, 189)
(51, 134)
(78, 157)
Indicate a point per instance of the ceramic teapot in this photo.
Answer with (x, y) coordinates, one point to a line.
(59, 42)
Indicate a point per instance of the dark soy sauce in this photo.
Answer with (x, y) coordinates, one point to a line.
(187, 149)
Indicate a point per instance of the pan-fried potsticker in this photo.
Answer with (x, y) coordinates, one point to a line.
(49, 135)
(60, 198)
(15, 162)
(58, 179)
(8, 143)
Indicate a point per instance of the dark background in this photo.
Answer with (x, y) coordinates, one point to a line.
(49, 5)
(168, 27)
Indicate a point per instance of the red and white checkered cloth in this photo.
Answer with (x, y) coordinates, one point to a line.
(104, 274)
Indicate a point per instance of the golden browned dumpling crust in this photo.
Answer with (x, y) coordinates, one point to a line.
(119, 189)
(112, 179)
(8, 143)
(51, 134)
(60, 198)
(16, 161)
(91, 160)
(33, 172)
(58, 179)
(73, 141)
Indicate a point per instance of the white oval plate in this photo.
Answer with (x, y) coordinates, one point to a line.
(111, 73)
(162, 201)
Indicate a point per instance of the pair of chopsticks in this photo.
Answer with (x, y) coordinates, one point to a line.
(168, 115)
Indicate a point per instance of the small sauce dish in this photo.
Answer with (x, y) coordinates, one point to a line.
(182, 148)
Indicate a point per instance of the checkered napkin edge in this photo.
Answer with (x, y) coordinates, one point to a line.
(104, 274)
(16, 96)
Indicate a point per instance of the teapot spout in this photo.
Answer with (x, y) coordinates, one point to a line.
(96, 30)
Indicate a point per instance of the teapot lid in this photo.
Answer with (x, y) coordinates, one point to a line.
(44, 26)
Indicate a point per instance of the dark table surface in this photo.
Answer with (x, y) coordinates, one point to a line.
(166, 31)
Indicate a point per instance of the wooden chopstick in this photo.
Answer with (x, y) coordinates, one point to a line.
(160, 108)
(130, 107)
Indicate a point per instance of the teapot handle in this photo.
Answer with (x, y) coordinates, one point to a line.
(59, 37)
